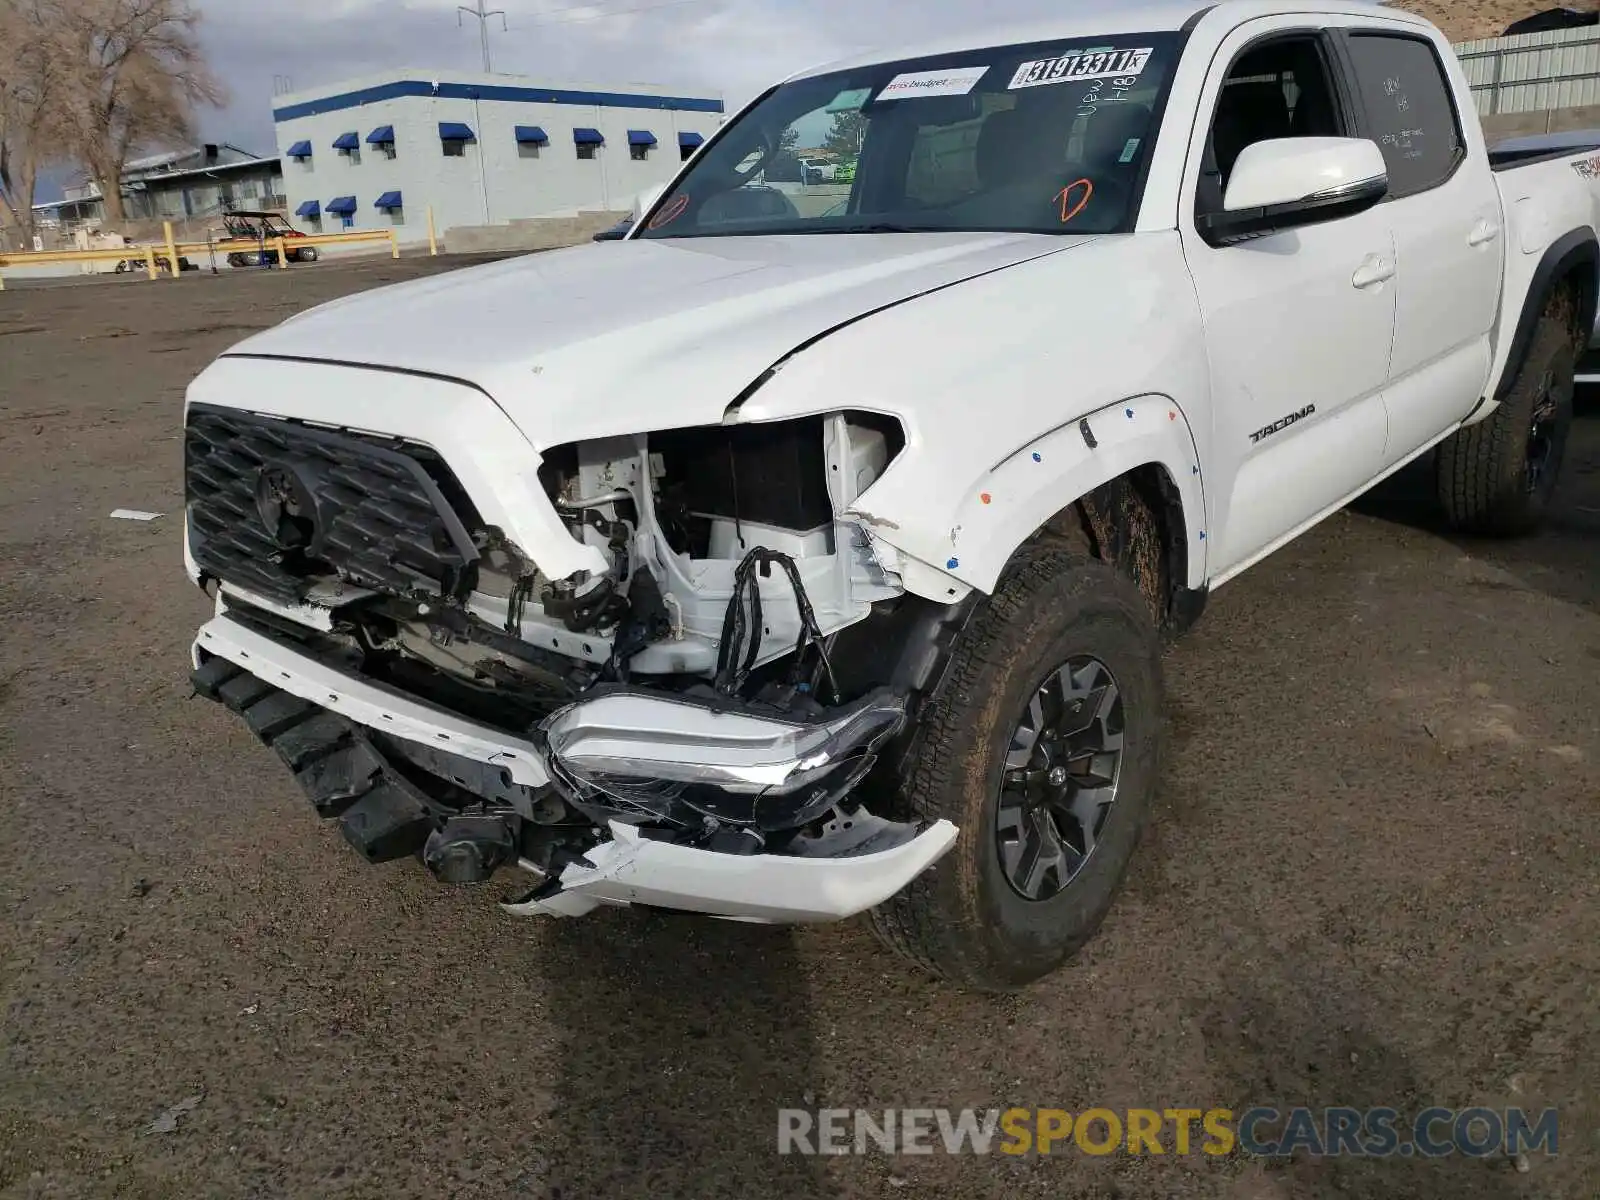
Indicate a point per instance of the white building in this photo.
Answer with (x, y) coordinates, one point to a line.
(373, 153)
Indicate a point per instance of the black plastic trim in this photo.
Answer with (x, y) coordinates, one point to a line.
(1577, 249)
(1230, 227)
(1510, 160)
(373, 494)
(387, 798)
(1186, 608)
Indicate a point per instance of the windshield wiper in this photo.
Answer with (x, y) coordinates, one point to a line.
(883, 227)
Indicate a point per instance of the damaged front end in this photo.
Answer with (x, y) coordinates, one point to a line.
(701, 725)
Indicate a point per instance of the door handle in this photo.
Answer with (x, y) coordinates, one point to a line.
(1484, 231)
(1373, 271)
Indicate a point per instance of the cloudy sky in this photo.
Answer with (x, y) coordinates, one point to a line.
(259, 47)
(735, 46)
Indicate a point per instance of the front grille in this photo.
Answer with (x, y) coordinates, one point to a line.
(336, 505)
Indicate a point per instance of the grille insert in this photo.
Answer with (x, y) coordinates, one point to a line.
(273, 505)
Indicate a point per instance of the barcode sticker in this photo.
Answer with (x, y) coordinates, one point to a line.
(1069, 68)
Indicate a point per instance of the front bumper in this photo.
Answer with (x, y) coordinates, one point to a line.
(764, 888)
(359, 749)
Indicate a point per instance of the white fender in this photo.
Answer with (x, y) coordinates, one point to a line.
(1006, 504)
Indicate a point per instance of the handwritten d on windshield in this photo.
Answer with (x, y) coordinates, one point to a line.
(1064, 197)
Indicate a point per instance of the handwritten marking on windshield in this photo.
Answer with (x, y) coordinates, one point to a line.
(1064, 198)
(670, 213)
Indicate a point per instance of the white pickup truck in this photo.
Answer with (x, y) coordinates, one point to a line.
(781, 567)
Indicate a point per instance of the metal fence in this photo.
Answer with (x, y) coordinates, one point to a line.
(1533, 72)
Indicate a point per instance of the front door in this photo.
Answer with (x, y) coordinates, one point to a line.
(1298, 324)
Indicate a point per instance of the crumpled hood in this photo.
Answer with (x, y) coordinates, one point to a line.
(624, 337)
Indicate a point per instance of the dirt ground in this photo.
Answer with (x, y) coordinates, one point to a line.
(1462, 20)
(1371, 880)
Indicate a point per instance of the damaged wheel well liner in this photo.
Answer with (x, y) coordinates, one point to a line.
(1136, 523)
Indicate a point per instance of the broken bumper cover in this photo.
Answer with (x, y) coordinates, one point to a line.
(769, 888)
(344, 736)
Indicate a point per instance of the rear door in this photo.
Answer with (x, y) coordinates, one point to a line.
(1298, 323)
(1445, 213)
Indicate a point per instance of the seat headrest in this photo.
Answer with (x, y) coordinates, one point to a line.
(1002, 150)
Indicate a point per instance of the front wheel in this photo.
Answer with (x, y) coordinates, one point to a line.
(307, 254)
(1043, 749)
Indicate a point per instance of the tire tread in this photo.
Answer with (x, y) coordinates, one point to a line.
(913, 923)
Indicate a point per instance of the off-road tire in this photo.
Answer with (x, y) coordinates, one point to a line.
(961, 920)
(1481, 471)
(307, 254)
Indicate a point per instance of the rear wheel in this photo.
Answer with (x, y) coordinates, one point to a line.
(1497, 477)
(1043, 750)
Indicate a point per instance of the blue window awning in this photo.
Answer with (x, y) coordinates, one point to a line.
(389, 200)
(347, 141)
(641, 137)
(383, 135)
(300, 150)
(456, 131)
(309, 208)
(531, 135)
(689, 140)
(588, 137)
(343, 205)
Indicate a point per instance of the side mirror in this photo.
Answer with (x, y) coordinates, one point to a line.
(641, 205)
(1284, 183)
(646, 198)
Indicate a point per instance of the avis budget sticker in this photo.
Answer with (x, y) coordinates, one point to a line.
(957, 81)
(1081, 64)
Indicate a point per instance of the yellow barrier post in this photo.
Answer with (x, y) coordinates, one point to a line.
(394, 246)
(172, 249)
(283, 259)
(150, 260)
(433, 241)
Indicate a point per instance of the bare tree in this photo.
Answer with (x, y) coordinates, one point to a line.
(30, 86)
(135, 73)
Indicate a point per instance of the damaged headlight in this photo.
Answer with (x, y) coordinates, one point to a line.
(683, 760)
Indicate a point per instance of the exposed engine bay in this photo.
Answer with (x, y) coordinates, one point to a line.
(694, 689)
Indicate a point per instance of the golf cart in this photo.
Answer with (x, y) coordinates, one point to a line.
(263, 227)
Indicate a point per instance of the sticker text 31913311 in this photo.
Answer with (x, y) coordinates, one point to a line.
(1099, 64)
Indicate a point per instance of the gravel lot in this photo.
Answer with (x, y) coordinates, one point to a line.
(1371, 880)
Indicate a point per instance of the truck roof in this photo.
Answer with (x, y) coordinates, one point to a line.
(1104, 17)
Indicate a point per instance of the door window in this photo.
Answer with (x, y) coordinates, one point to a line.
(1409, 111)
(1275, 89)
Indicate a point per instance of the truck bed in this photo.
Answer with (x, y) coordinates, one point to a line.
(1542, 147)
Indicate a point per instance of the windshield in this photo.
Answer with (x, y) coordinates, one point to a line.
(1050, 137)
